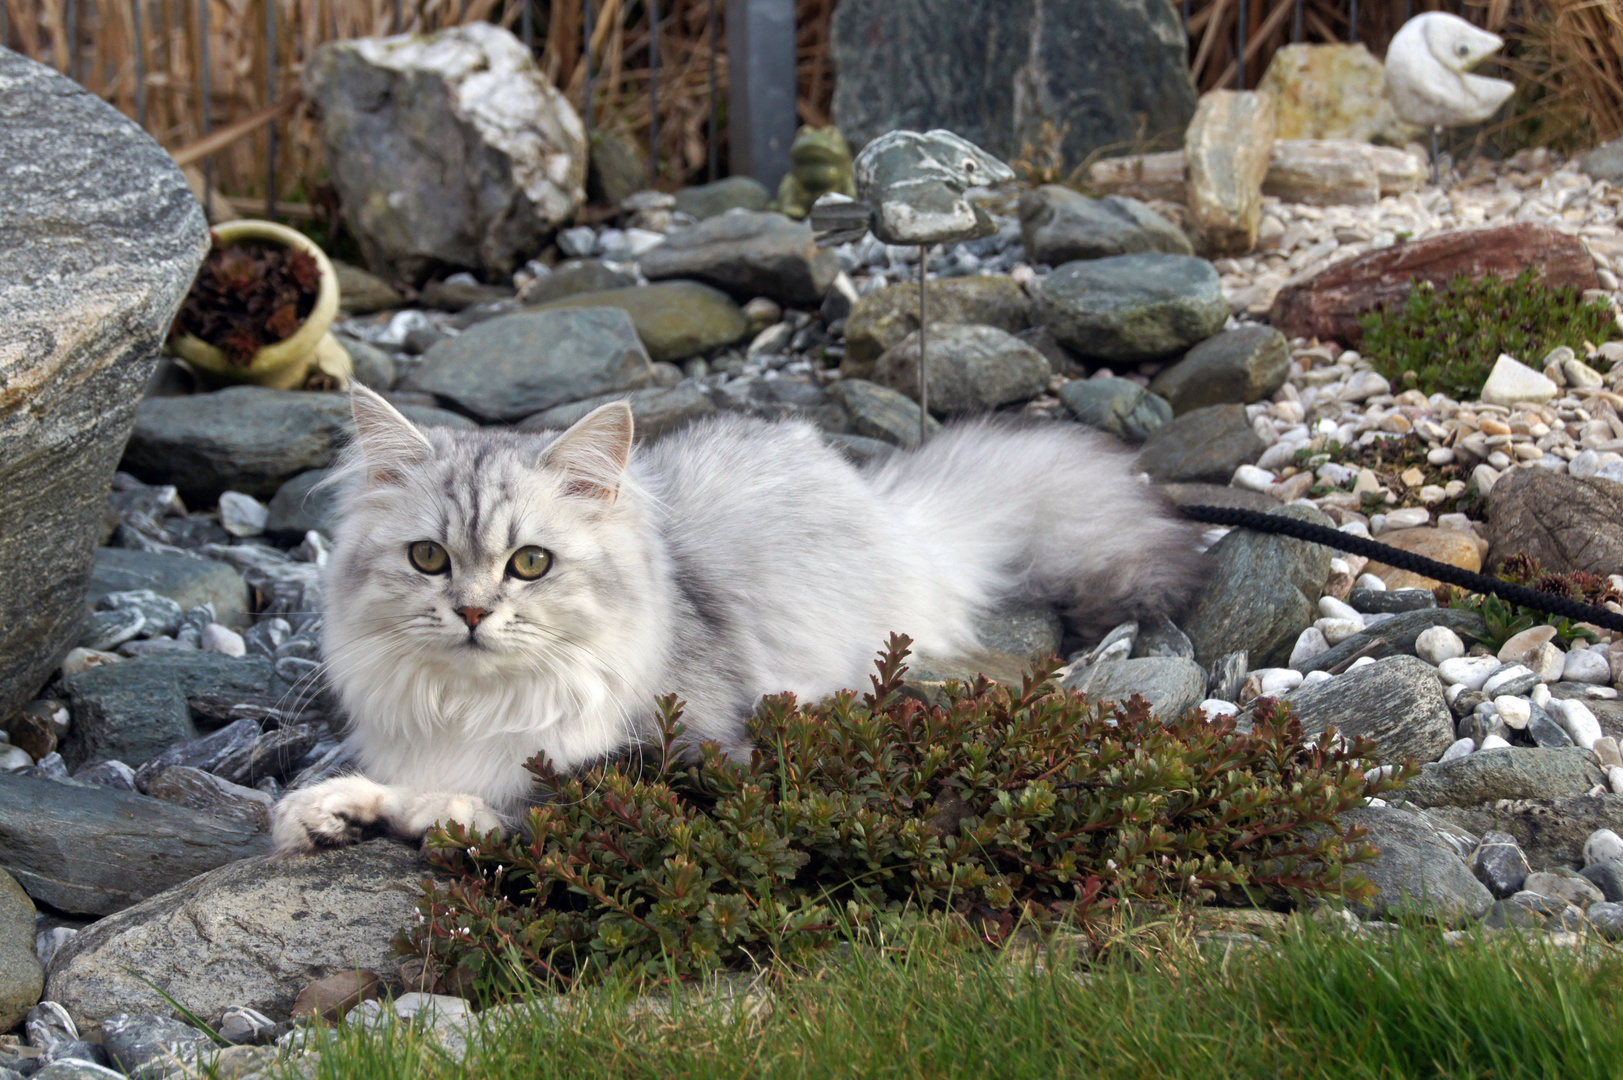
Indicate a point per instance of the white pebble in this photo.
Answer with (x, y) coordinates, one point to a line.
(223, 640)
(1214, 708)
(1492, 685)
(1547, 661)
(1452, 692)
(1336, 631)
(1603, 845)
(1366, 384)
(1440, 455)
(1316, 676)
(1516, 647)
(1362, 661)
(1512, 381)
(1331, 608)
(1513, 710)
(1253, 479)
(1309, 643)
(1493, 742)
(1539, 695)
(1279, 680)
(1458, 749)
(1410, 517)
(242, 515)
(13, 757)
(1437, 644)
(1370, 582)
(1614, 776)
(82, 659)
(1587, 666)
(1600, 693)
(1473, 671)
(1576, 719)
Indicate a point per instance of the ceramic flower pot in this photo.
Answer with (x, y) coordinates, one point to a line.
(290, 362)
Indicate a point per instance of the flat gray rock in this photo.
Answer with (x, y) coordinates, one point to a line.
(674, 319)
(878, 412)
(251, 934)
(136, 709)
(703, 201)
(1395, 637)
(1120, 406)
(656, 411)
(1419, 872)
(1202, 446)
(1512, 773)
(1129, 308)
(1171, 684)
(1236, 367)
(302, 504)
(102, 239)
(885, 316)
(1059, 225)
(1398, 702)
(1034, 632)
(94, 851)
(971, 369)
(189, 580)
(575, 277)
(518, 365)
(1256, 599)
(21, 977)
(747, 253)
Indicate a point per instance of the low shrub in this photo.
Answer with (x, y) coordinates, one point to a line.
(1446, 339)
(858, 817)
(1505, 620)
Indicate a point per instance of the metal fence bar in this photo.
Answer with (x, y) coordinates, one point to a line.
(140, 44)
(70, 30)
(586, 103)
(1239, 47)
(714, 140)
(1352, 20)
(203, 103)
(270, 97)
(395, 26)
(1296, 23)
(653, 92)
(527, 26)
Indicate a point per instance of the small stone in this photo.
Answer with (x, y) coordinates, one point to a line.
(1539, 695)
(242, 1026)
(1510, 679)
(1603, 845)
(1494, 742)
(1336, 631)
(1437, 644)
(107, 630)
(1213, 708)
(1545, 732)
(1369, 582)
(1499, 864)
(1586, 666)
(1565, 885)
(1607, 877)
(1252, 478)
(1310, 643)
(1514, 711)
(1577, 720)
(1607, 919)
(1458, 749)
(1277, 681)
(108, 774)
(13, 758)
(1385, 601)
(330, 998)
(223, 640)
(1119, 406)
(146, 1047)
(1546, 662)
(1606, 750)
(1511, 382)
(242, 515)
(1472, 671)
(198, 790)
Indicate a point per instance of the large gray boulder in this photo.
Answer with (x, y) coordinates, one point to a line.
(1397, 702)
(748, 254)
(971, 368)
(449, 151)
(1132, 307)
(91, 850)
(1058, 225)
(20, 975)
(1520, 772)
(519, 365)
(99, 241)
(998, 71)
(1420, 870)
(251, 934)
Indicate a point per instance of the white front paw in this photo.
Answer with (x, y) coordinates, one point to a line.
(433, 808)
(333, 813)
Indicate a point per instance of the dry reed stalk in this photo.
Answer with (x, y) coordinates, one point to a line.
(1580, 45)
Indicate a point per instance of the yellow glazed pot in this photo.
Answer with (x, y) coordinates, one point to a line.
(288, 363)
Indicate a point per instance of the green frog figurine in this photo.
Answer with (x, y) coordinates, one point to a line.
(819, 162)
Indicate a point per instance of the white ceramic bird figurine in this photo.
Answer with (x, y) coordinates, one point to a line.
(1427, 72)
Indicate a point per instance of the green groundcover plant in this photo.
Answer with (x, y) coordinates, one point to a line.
(863, 816)
(1505, 620)
(1446, 339)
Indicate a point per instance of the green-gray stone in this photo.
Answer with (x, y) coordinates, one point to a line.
(674, 319)
(1238, 366)
(575, 277)
(1133, 307)
(1262, 593)
(972, 368)
(1509, 773)
(1203, 446)
(1059, 225)
(880, 412)
(1398, 702)
(1030, 631)
(885, 316)
(747, 254)
(1418, 872)
(1119, 406)
(21, 977)
(733, 193)
(1171, 684)
(189, 580)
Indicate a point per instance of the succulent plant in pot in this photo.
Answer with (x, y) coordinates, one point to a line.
(260, 310)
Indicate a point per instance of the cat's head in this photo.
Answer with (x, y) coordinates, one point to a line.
(481, 552)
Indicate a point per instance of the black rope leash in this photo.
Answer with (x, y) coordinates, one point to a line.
(1405, 560)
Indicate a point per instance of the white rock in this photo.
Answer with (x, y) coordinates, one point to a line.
(1587, 666)
(1484, 476)
(1581, 374)
(1458, 749)
(1603, 845)
(1602, 693)
(1309, 643)
(1512, 381)
(1409, 517)
(1513, 710)
(1473, 671)
(1365, 385)
(223, 640)
(1440, 455)
(1606, 465)
(1452, 692)
(1276, 681)
(81, 659)
(1437, 644)
(1493, 683)
(13, 757)
(1336, 631)
(1253, 479)
(1547, 661)
(1370, 582)
(443, 1006)
(1362, 661)
(1494, 742)
(1576, 719)
(1214, 708)
(640, 242)
(1539, 695)
(1614, 777)
(242, 515)
(1331, 608)
(1516, 647)
(1316, 676)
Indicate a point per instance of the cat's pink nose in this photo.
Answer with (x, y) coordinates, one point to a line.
(472, 615)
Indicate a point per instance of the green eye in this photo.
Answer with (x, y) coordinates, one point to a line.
(529, 563)
(428, 557)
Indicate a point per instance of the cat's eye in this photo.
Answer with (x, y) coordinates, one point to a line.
(428, 557)
(529, 563)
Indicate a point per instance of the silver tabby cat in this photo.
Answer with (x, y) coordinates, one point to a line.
(494, 594)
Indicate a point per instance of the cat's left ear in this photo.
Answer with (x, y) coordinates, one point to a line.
(593, 453)
(388, 441)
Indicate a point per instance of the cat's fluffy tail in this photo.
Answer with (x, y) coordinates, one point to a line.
(1045, 511)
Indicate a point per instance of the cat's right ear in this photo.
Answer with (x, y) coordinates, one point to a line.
(388, 441)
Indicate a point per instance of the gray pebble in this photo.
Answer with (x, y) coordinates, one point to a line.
(162, 614)
(1390, 601)
(1545, 732)
(1500, 864)
(107, 630)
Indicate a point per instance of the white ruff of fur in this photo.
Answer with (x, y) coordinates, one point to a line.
(734, 559)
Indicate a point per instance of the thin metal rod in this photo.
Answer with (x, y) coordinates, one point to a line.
(1436, 166)
(653, 92)
(1352, 20)
(70, 30)
(270, 96)
(586, 104)
(1239, 47)
(924, 382)
(206, 93)
(1186, 17)
(1296, 23)
(714, 138)
(527, 25)
(395, 26)
(1408, 10)
(140, 60)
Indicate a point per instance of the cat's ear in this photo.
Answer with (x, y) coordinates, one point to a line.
(593, 453)
(388, 441)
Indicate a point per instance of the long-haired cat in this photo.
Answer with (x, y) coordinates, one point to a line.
(495, 594)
